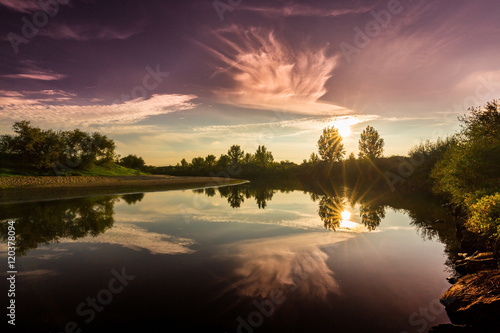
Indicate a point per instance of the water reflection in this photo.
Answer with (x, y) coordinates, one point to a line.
(331, 204)
(330, 211)
(42, 223)
(45, 222)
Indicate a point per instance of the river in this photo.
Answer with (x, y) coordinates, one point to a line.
(245, 258)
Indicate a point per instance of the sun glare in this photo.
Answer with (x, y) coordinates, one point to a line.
(344, 123)
(344, 129)
(345, 215)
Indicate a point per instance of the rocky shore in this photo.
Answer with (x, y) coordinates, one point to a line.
(473, 301)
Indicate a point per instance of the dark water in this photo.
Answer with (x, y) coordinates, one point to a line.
(243, 258)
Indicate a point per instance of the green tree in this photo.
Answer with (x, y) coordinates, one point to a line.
(223, 162)
(133, 162)
(469, 169)
(184, 163)
(248, 158)
(314, 158)
(235, 154)
(263, 157)
(198, 162)
(210, 160)
(330, 145)
(371, 145)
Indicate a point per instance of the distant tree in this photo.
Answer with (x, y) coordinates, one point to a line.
(263, 157)
(314, 158)
(198, 162)
(330, 145)
(248, 158)
(371, 145)
(133, 162)
(223, 162)
(210, 160)
(184, 163)
(235, 154)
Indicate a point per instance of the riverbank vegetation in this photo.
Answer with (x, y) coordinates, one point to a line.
(32, 151)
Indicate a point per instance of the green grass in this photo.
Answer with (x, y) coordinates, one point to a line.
(116, 170)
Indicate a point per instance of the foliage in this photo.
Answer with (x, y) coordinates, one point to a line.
(44, 148)
(235, 154)
(371, 145)
(485, 216)
(471, 165)
(425, 156)
(330, 145)
(133, 162)
(482, 122)
(314, 158)
(263, 157)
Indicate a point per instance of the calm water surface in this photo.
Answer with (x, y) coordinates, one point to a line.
(243, 258)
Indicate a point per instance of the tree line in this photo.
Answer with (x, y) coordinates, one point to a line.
(261, 164)
(62, 150)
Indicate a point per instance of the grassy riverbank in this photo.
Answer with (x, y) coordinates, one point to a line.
(18, 189)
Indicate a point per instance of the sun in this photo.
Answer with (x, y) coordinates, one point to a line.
(344, 129)
(345, 215)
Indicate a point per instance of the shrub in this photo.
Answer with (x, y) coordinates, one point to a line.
(485, 216)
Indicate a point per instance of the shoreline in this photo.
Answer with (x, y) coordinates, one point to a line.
(44, 188)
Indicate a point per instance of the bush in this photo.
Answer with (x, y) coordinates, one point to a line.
(485, 216)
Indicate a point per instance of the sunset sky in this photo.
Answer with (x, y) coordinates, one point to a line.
(173, 79)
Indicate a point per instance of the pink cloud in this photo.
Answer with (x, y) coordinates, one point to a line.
(304, 10)
(268, 74)
(23, 6)
(70, 115)
(89, 32)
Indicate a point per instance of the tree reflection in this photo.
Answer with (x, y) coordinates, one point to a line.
(262, 196)
(44, 222)
(236, 195)
(371, 215)
(133, 198)
(330, 210)
(210, 192)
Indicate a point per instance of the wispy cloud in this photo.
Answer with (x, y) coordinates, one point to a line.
(271, 75)
(304, 124)
(279, 261)
(135, 238)
(23, 6)
(88, 32)
(294, 9)
(30, 70)
(36, 76)
(42, 111)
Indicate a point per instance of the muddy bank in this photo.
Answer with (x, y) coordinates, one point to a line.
(19, 189)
